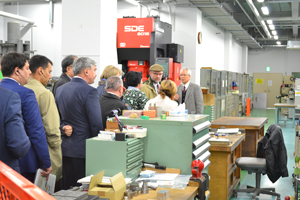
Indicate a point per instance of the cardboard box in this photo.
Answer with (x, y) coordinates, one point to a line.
(208, 99)
(126, 113)
(113, 191)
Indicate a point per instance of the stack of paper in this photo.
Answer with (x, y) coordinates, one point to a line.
(228, 131)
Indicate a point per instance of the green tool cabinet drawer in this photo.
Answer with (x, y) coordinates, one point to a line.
(170, 142)
(114, 157)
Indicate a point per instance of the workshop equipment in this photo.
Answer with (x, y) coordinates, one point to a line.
(145, 189)
(153, 165)
(115, 113)
(142, 42)
(203, 179)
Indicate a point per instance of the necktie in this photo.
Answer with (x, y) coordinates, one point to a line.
(157, 88)
(183, 89)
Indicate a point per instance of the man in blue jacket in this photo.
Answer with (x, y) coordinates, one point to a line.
(16, 72)
(14, 143)
(79, 107)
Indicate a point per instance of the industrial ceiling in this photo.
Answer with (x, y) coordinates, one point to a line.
(245, 20)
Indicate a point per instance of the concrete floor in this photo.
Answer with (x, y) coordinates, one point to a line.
(284, 186)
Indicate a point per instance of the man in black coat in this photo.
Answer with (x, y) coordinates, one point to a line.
(67, 75)
(111, 100)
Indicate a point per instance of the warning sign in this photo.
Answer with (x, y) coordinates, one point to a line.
(259, 81)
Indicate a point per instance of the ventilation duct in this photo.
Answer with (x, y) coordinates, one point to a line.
(293, 45)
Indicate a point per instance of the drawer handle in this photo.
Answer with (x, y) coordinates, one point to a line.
(135, 147)
(204, 156)
(201, 127)
(133, 142)
(206, 164)
(201, 150)
(139, 151)
(201, 141)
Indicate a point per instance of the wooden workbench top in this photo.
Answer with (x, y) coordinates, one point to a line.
(251, 123)
(284, 105)
(235, 140)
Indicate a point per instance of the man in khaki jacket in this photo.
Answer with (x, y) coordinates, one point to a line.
(41, 68)
(151, 86)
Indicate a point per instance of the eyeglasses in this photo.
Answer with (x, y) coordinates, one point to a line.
(157, 74)
(184, 74)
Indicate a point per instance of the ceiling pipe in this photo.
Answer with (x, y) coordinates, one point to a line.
(250, 18)
(266, 46)
(280, 18)
(17, 17)
(148, 10)
(170, 12)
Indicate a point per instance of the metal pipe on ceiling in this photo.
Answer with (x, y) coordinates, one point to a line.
(274, 45)
(282, 1)
(249, 18)
(17, 17)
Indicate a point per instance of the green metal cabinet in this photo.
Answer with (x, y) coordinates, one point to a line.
(176, 141)
(114, 157)
(209, 110)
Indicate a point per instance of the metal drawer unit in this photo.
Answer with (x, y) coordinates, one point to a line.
(229, 82)
(205, 77)
(237, 105)
(176, 141)
(114, 157)
(229, 105)
(209, 110)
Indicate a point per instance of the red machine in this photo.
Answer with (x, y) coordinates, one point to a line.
(197, 167)
(142, 42)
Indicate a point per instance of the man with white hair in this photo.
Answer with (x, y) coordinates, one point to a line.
(189, 93)
(79, 107)
(112, 99)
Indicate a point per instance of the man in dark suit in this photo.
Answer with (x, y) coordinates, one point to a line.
(14, 143)
(111, 100)
(67, 72)
(79, 107)
(189, 93)
(16, 72)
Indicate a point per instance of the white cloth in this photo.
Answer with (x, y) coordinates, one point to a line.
(166, 103)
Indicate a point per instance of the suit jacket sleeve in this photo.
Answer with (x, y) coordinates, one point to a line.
(198, 100)
(16, 139)
(50, 117)
(35, 130)
(93, 109)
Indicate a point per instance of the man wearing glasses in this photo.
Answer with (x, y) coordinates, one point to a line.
(151, 86)
(189, 93)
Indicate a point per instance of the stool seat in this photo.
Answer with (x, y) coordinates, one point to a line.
(251, 163)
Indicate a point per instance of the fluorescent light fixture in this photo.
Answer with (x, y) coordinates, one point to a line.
(133, 2)
(274, 32)
(269, 21)
(276, 37)
(272, 27)
(260, 1)
(256, 11)
(263, 23)
(279, 43)
(265, 10)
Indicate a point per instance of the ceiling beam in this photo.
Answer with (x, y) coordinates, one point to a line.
(282, 1)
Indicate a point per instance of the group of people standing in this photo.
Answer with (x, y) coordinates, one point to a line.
(40, 129)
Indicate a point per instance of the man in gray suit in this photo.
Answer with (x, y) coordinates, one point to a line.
(189, 93)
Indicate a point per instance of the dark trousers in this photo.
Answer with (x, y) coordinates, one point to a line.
(29, 176)
(73, 170)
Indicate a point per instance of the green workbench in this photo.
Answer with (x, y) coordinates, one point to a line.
(170, 142)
